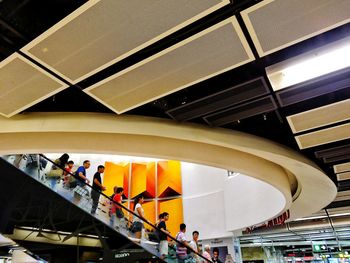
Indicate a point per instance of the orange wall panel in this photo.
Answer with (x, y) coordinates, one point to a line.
(115, 175)
(151, 178)
(126, 168)
(142, 179)
(175, 210)
(138, 179)
(169, 178)
(150, 212)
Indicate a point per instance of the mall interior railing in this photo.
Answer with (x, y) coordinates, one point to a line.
(66, 184)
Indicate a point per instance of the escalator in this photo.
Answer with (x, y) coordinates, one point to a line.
(69, 200)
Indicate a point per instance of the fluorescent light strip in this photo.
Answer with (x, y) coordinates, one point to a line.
(319, 62)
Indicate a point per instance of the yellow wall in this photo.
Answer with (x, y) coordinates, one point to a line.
(143, 182)
(116, 175)
(169, 176)
(175, 210)
(142, 179)
(150, 212)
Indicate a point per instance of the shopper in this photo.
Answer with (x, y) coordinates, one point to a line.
(97, 187)
(116, 210)
(111, 205)
(194, 245)
(81, 173)
(181, 246)
(206, 252)
(67, 177)
(80, 190)
(163, 244)
(56, 171)
(137, 225)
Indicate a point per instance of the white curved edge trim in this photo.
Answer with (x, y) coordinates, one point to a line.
(152, 136)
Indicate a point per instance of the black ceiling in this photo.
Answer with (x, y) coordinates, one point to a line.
(262, 113)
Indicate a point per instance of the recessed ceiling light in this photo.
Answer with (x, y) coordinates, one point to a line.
(319, 62)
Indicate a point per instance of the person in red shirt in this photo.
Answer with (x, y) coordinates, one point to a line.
(67, 174)
(116, 211)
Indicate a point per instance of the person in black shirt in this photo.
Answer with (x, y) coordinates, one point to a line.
(97, 187)
(163, 244)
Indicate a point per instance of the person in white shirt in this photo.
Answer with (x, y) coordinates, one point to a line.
(138, 221)
(194, 245)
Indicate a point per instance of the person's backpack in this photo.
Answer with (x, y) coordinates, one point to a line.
(55, 171)
(72, 181)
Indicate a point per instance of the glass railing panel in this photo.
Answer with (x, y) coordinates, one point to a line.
(111, 213)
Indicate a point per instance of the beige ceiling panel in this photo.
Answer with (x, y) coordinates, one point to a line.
(276, 24)
(342, 196)
(23, 84)
(343, 176)
(209, 53)
(340, 132)
(319, 117)
(102, 32)
(341, 168)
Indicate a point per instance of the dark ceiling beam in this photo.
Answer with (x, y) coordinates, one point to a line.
(337, 204)
(18, 7)
(14, 31)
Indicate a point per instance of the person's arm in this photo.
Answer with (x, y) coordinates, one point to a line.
(185, 242)
(162, 228)
(81, 175)
(188, 245)
(165, 231)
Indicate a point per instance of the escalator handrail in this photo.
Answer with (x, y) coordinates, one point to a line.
(77, 177)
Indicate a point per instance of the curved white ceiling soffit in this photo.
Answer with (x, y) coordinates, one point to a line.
(159, 138)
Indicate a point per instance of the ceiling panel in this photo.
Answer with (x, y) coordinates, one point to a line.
(341, 168)
(102, 32)
(337, 133)
(342, 194)
(276, 24)
(343, 176)
(23, 84)
(204, 55)
(319, 117)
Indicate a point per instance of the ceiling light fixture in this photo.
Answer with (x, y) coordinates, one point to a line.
(310, 65)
